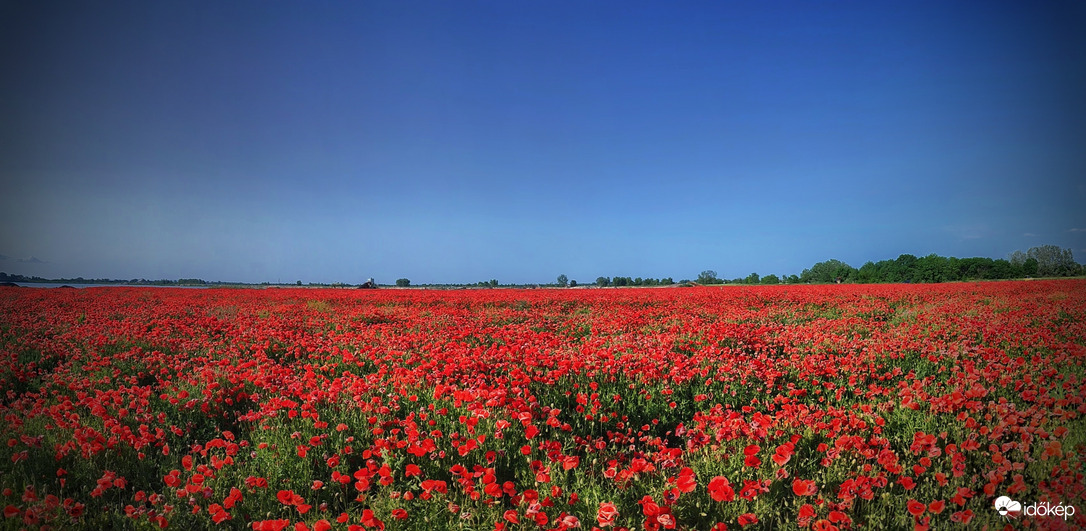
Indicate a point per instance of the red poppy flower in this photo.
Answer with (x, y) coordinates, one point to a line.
(962, 517)
(721, 490)
(686, 483)
(606, 514)
(270, 525)
(804, 487)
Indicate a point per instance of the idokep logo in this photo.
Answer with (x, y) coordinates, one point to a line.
(1008, 508)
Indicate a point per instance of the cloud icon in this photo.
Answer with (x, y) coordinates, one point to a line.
(1005, 505)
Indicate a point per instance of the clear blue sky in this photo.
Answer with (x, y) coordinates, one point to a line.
(462, 141)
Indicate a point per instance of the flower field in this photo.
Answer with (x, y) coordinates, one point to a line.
(778, 407)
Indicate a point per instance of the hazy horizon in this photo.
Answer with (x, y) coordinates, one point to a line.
(455, 143)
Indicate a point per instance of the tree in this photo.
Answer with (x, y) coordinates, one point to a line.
(903, 269)
(934, 268)
(1002, 269)
(602, 281)
(573, 283)
(299, 282)
(751, 278)
(707, 277)
(403, 282)
(563, 280)
(828, 271)
(1029, 268)
(974, 268)
(868, 273)
(771, 279)
(1053, 261)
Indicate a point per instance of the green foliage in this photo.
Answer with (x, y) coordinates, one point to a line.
(563, 280)
(708, 277)
(403, 282)
(1053, 261)
(602, 281)
(1047, 260)
(828, 271)
(639, 281)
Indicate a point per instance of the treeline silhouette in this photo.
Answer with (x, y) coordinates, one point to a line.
(1041, 261)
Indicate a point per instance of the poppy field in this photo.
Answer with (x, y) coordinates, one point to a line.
(762, 407)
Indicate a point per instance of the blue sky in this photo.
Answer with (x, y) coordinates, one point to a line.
(463, 141)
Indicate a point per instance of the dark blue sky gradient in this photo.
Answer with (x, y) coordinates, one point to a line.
(463, 141)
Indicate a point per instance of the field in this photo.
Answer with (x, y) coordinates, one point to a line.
(782, 407)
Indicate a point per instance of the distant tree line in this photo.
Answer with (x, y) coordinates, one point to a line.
(5, 277)
(709, 277)
(628, 281)
(1041, 261)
